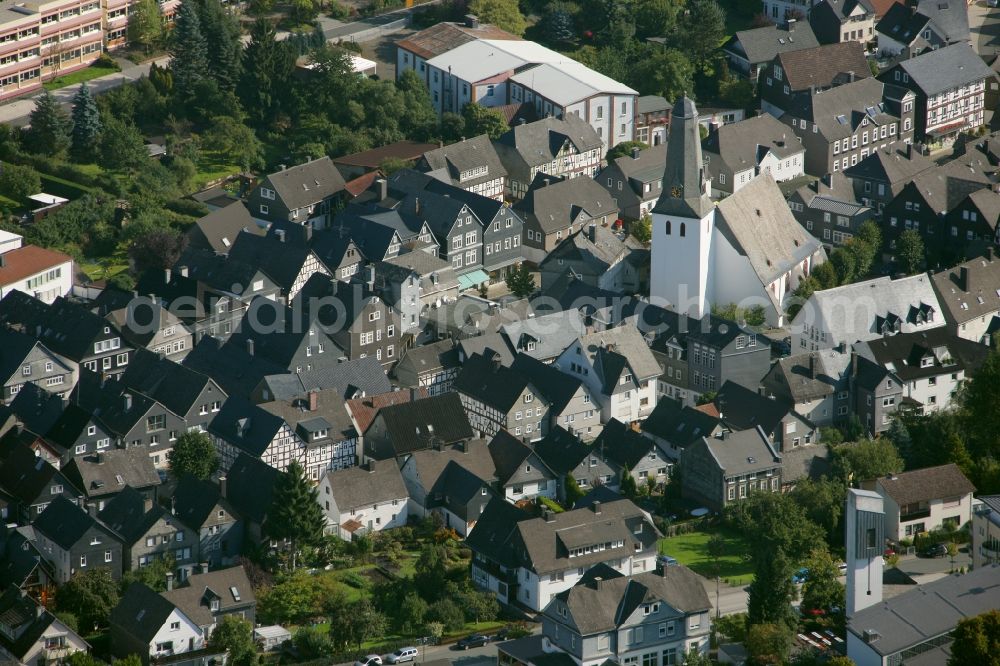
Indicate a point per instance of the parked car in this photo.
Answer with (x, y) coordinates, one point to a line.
(667, 561)
(370, 660)
(937, 550)
(401, 655)
(475, 640)
(500, 635)
(800, 576)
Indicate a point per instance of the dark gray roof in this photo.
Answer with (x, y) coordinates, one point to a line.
(622, 445)
(975, 296)
(110, 471)
(615, 349)
(365, 375)
(892, 165)
(761, 44)
(904, 22)
(491, 383)
(540, 142)
(66, 327)
(561, 202)
(63, 522)
(19, 558)
(194, 499)
(230, 587)
(219, 229)
(126, 515)
(141, 612)
(947, 67)
(742, 452)
(904, 354)
(23, 474)
(595, 247)
(561, 450)
(246, 426)
(330, 415)
(250, 487)
(603, 600)
(557, 387)
(679, 425)
(549, 333)
(280, 261)
(742, 145)
(684, 172)
(411, 425)
(838, 111)
(236, 371)
(454, 159)
(173, 385)
(308, 183)
(928, 611)
(744, 409)
(924, 485)
(813, 375)
(651, 104)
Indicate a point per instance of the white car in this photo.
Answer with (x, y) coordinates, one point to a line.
(370, 660)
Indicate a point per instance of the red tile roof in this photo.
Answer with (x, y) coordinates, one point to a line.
(444, 37)
(29, 260)
(361, 183)
(364, 410)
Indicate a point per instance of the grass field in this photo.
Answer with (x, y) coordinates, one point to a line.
(691, 550)
(79, 76)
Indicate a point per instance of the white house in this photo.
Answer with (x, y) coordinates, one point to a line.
(496, 72)
(361, 500)
(618, 368)
(38, 271)
(747, 250)
(925, 499)
(146, 623)
(29, 634)
(866, 311)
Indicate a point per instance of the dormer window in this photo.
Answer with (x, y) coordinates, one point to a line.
(214, 605)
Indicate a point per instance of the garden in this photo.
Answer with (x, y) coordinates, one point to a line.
(721, 552)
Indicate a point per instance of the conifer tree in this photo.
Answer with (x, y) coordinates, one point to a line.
(189, 51)
(50, 127)
(86, 125)
(267, 67)
(224, 48)
(295, 511)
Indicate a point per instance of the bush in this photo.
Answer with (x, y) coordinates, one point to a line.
(188, 207)
(338, 11)
(551, 504)
(106, 61)
(354, 579)
(448, 613)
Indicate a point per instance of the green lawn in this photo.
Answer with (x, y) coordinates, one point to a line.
(79, 76)
(691, 550)
(212, 167)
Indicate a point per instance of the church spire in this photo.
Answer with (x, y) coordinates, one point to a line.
(684, 192)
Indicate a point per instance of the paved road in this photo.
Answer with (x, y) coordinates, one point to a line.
(984, 25)
(483, 656)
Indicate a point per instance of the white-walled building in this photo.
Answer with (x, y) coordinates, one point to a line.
(37, 271)
(748, 249)
(496, 72)
(362, 500)
(866, 311)
(865, 538)
(925, 499)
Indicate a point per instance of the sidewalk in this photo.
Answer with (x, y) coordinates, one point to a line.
(16, 112)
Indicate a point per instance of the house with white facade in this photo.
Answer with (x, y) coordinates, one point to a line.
(494, 72)
(521, 473)
(531, 560)
(147, 624)
(618, 368)
(866, 311)
(736, 153)
(37, 271)
(362, 500)
(498, 398)
(969, 294)
(747, 249)
(925, 499)
(30, 634)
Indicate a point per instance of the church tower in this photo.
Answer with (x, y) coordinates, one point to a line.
(683, 221)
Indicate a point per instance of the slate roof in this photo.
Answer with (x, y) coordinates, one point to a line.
(946, 186)
(555, 386)
(63, 522)
(194, 500)
(110, 471)
(647, 167)
(744, 409)
(874, 300)
(246, 426)
(467, 467)
(175, 386)
(563, 201)
(763, 44)
(893, 165)
(375, 483)
(425, 265)
(742, 452)
(613, 350)
(651, 104)
(141, 612)
(823, 66)
(279, 332)
(408, 180)
(432, 357)
(759, 225)
(595, 246)
(744, 144)
(330, 410)
(409, 425)
(902, 354)
(550, 333)
(508, 453)
(26, 619)
(219, 229)
(923, 485)
(946, 68)
(364, 375)
(250, 487)
(35, 407)
(497, 386)
(622, 445)
(66, 328)
(604, 598)
(364, 410)
(561, 450)
(679, 425)
(230, 586)
(19, 558)
(23, 475)
(540, 142)
(927, 611)
(838, 111)
(405, 149)
(236, 371)
(454, 159)
(308, 183)
(904, 22)
(965, 302)
(280, 261)
(127, 516)
(813, 375)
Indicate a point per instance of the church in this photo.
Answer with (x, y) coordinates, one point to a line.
(747, 249)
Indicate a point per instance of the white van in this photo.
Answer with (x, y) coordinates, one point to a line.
(401, 655)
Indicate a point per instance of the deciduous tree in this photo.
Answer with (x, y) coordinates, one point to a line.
(235, 635)
(821, 589)
(505, 14)
(90, 595)
(481, 119)
(145, 24)
(910, 251)
(866, 459)
(19, 182)
(193, 454)
(977, 641)
(521, 281)
(122, 147)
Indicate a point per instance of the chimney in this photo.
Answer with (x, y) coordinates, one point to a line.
(592, 233)
(183, 271)
(854, 364)
(98, 458)
(382, 186)
(909, 151)
(545, 182)
(170, 581)
(92, 509)
(166, 276)
(413, 394)
(127, 398)
(371, 277)
(282, 167)
(522, 121)
(313, 400)
(471, 21)
(827, 179)
(791, 24)
(963, 278)
(280, 234)
(416, 205)
(635, 153)
(222, 487)
(3, 261)
(203, 567)
(307, 231)
(989, 253)
(548, 515)
(850, 76)
(250, 347)
(596, 508)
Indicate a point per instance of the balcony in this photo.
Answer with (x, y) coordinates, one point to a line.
(914, 515)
